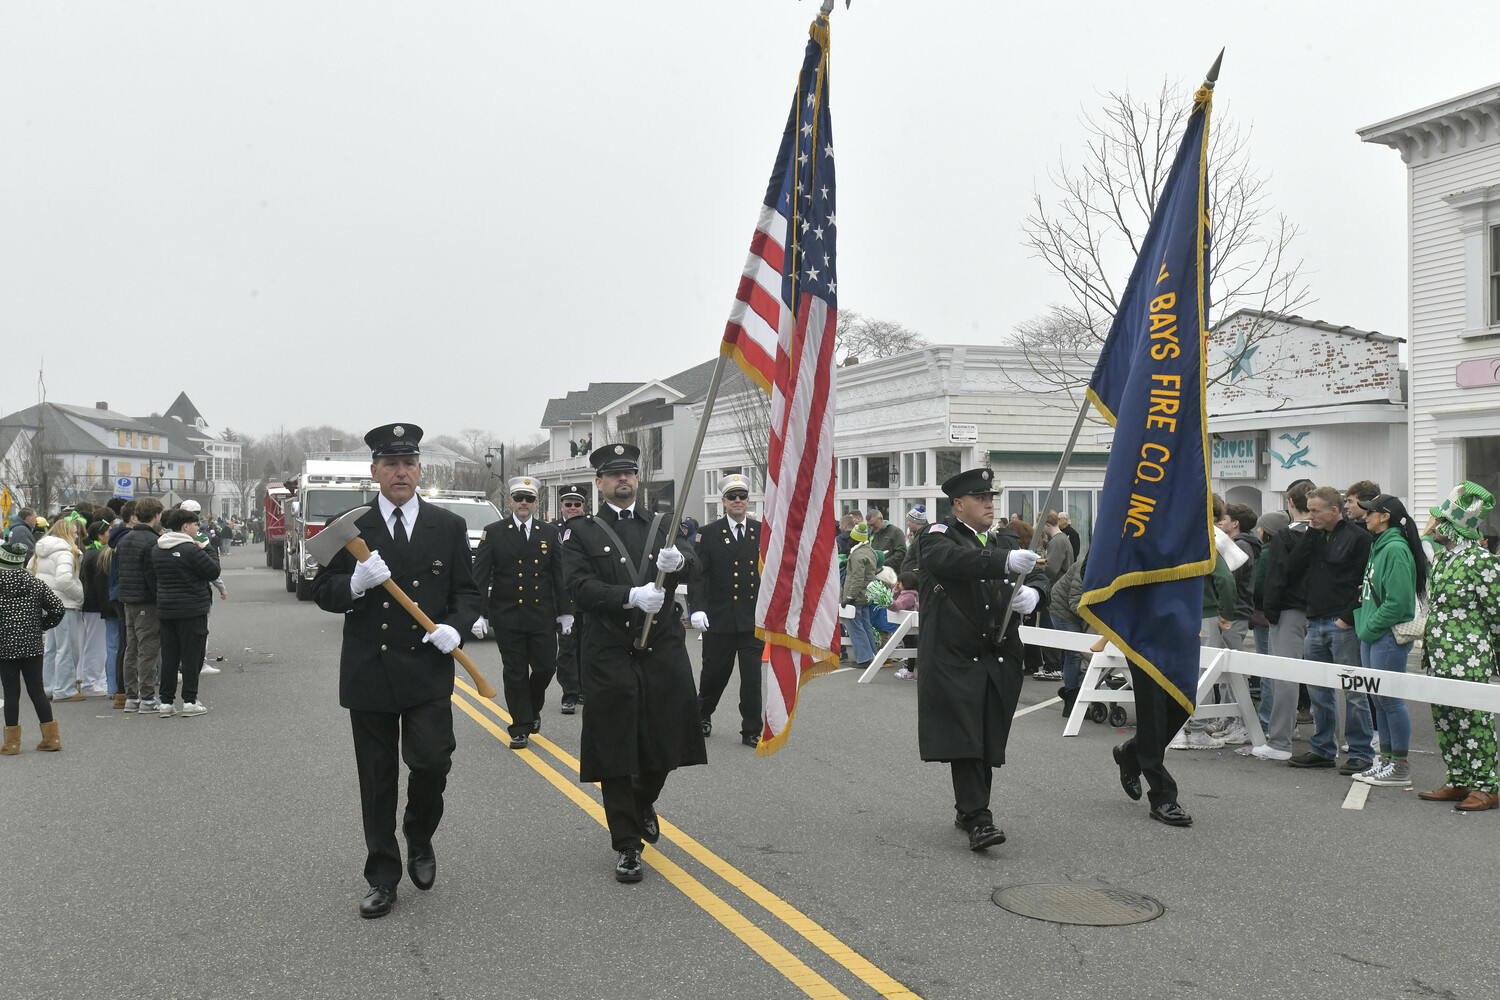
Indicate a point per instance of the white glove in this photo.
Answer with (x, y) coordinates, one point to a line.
(1025, 599)
(1021, 561)
(370, 573)
(479, 628)
(648, 598)
(700, 621)
(445, 638)
(566, 621)
(669, 560)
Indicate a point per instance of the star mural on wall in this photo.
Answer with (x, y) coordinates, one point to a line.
(1240, 356)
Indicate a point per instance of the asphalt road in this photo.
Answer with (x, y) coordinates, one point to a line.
(220, 857)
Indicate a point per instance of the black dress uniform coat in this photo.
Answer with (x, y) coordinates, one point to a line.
(642, 705)
(963, 596)
(728, 578)
(384, 665)
(523, 579)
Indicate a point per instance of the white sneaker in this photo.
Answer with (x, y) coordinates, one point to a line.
(1380, 769)
(154, 705)
(132, 704)
(1267, 752)
(165, 710)
(209, 668)
(1179, 742)
(1235, 735)
(1202, 741)
(192, 708)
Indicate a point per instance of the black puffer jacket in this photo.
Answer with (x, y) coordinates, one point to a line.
(137, 575)
(183, 574)
(96, 583)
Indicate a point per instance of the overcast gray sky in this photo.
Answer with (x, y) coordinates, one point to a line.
(349, 213)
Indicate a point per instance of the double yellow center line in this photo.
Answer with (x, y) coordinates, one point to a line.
(779, 958)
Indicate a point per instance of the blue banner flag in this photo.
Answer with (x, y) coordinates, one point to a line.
(1153, 540)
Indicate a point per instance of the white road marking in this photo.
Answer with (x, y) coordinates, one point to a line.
(1041, 704)
(1358, 793)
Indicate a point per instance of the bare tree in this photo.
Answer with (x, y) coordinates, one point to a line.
(283, 452)
(1089, 228)
(749, 409)
(860, 338)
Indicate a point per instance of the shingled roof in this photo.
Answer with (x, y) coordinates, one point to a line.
(581, 403)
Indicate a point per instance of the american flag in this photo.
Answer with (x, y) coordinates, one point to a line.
(781, 332)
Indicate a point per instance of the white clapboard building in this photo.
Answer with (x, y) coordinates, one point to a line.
(1452, 156)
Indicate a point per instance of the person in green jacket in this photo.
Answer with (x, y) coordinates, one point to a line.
(1394, 575)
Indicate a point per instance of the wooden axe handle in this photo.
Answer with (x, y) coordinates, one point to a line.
(361, 551)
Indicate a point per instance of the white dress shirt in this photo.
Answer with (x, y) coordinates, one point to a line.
(408, 514)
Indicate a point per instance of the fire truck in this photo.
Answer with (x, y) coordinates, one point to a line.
(275, 540)
(327, 489)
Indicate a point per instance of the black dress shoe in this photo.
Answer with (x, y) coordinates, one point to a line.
(536, 724)
(1129, 780)
(984, 835)
(629, 867)
(751, 740)
(518, 741)
(1311, 759)
(650, 824)
(708, 728)
(422, 867)
(569, 706)
(378, 901)
(1171, 814)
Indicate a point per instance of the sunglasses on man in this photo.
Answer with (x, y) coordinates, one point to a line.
(522, 498)
(736, 496)
(572, 503)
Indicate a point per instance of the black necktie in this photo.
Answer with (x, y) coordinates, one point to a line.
(624, 515)
(739, 532)
(523, 531)
(400, 533)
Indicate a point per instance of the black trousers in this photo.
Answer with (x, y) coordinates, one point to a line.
(424, 735)
(183, 641)
(720, 650)
(1158, 716)
(971, 791)
(12, 672)
(624, 800)
(569, 674)
(529, 660)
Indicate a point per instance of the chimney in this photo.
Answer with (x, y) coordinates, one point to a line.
(335, 444)
(101, 405)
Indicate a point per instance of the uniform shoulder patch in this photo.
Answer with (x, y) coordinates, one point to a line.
(939, 529)
(698, 537)
(567, 534)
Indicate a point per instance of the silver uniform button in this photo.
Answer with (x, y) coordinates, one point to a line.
(382, 648)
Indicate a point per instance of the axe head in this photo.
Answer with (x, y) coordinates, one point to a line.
(335, 535)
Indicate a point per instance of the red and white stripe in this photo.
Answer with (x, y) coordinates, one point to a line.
(798, 606)
(750, 336)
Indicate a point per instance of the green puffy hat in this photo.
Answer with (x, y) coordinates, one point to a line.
(1465, 509)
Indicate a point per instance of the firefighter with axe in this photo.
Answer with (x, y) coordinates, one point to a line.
(399, 572)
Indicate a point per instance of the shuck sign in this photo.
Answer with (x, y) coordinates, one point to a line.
(1234, 458)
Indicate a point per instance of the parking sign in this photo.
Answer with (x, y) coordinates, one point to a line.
(125, 487)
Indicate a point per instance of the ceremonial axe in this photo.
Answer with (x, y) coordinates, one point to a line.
(343, 533)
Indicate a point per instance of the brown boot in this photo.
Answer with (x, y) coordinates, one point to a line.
(1478, 801)
(12, 741)
(120, 700)
(50, 739)
(1448, 793)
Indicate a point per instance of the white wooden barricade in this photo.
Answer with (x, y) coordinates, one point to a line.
(1233, 667)
(1094, 690)
(906, 621)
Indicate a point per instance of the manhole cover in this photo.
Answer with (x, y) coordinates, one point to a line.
(1076, 903)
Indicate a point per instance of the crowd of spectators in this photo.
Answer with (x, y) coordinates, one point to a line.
(117, 607)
